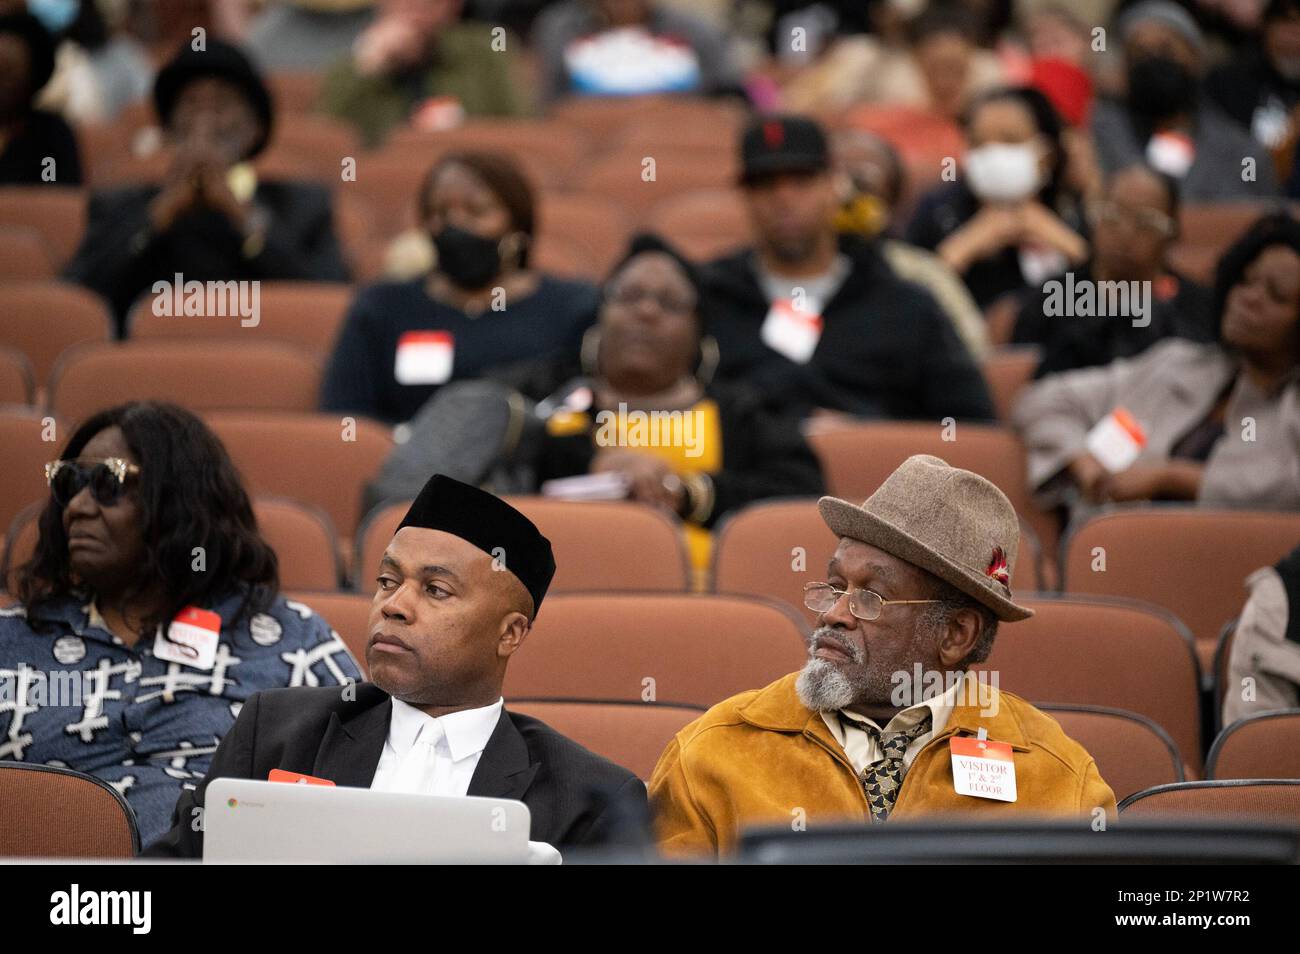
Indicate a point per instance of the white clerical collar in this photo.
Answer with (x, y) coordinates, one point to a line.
(467, 731)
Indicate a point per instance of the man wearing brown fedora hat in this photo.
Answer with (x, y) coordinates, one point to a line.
(886, 720)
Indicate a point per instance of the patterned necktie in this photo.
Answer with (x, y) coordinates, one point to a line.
(883, 778)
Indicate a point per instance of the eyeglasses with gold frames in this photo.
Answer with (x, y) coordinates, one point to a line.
(863, 603)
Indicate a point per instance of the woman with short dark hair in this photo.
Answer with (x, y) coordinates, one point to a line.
(153, 598)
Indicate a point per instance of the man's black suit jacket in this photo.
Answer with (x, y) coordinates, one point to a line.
(575, 797)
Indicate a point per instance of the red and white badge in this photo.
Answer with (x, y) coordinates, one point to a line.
(1116, 440)
(424, 357)
(792, 331)
(438, 113)
(296, 778)
(1171, 152)
(194, 634)
(983, 768)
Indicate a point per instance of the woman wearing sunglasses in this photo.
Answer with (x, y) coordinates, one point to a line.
(149, 612)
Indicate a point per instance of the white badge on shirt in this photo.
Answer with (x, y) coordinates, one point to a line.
(194, 634)
(792, 331)
(1172, 153)
(1116, 440)
(983, 768)
(424, 357)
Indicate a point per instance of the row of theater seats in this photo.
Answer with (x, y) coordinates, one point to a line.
(581, 232)
(1090, 656)
(94, 820)
(1151, 553)
(1137, 636)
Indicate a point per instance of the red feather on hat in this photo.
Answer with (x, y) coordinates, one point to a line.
(997, 568)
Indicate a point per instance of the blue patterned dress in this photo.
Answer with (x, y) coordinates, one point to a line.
(73, 695)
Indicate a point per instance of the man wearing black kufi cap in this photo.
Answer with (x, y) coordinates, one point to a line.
(210, 218)
(457, 590)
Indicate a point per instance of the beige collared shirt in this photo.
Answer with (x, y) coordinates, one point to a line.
(863, 748)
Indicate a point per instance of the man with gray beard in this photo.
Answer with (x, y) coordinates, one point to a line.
(885, 719)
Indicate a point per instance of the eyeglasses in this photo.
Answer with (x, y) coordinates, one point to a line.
(864, 604)
(629, 295)
(106, 478)
(1151, 221)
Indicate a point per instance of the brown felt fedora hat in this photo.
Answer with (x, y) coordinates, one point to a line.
(945, 520)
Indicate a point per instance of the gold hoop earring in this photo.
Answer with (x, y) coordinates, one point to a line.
(511, 248)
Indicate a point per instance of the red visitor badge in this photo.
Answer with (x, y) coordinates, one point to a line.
(983, 768)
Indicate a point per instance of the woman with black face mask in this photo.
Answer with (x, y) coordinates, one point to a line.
(480, 306)
(1163, 120)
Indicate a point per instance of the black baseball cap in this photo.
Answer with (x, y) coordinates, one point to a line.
(775, 144)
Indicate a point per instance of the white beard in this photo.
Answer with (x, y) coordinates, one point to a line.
(822, 687)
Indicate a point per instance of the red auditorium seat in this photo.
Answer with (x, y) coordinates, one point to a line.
(592, 541)
(1270, 800)
(654, 648)
(311, 457)
(53, 812)
(1098, 652)
(238, 375)
(1265, 745)
(630, 734)
(305, 314)
(29, 309)
(1193, 561)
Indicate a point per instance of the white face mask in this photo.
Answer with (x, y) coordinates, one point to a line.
(1003, 172)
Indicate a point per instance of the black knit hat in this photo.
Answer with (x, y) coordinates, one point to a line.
(489, 523)
(216, 59)
(40, 45)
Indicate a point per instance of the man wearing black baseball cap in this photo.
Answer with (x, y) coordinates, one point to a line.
(456, 593)
(210, 219)
(819, 318)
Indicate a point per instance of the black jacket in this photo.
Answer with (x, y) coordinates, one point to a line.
(886, 350)
(42, 136)
(947, 207)
(575, 797)
(764, 453)
(1179, 309)
(121, 256)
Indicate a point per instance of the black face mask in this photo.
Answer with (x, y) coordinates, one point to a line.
(1159, 87)
(469, 260)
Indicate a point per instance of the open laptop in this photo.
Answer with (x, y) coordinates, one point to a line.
(252, 821)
